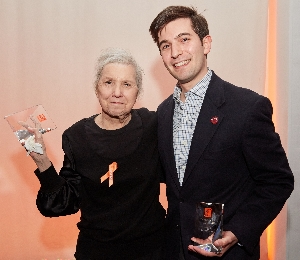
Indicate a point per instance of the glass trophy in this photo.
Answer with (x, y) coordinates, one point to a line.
(209, 225)
(28, 116)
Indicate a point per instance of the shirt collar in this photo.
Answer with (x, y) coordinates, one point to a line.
(199, 89)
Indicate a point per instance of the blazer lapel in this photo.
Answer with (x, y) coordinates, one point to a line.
(165, 132)
(206, 125)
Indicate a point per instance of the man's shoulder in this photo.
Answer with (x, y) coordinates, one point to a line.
(232, 91)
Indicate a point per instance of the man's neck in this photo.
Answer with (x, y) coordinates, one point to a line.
(187, 86)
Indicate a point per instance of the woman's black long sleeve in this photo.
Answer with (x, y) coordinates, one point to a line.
(58, 195)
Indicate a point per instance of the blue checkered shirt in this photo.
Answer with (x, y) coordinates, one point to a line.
(184, 121)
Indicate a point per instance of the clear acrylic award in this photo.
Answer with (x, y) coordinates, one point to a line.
(28, 116)
(209, 225)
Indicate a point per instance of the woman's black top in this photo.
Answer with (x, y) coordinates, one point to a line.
(125, 218)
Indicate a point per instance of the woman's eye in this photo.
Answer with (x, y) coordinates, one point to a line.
(108, 83)
(127, 85)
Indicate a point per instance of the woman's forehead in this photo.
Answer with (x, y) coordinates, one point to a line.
(119, 70)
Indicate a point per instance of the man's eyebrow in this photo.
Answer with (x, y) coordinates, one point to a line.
(162, 42)
(178, 36)
(182, 34)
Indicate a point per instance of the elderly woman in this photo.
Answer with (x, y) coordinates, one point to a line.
(111, 170)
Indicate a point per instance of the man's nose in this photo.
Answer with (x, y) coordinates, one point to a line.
(175, 50)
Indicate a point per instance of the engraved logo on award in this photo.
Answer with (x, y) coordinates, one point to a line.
(41, 117)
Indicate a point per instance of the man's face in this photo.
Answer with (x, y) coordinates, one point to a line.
(183, 53)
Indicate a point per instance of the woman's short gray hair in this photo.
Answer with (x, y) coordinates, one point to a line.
(115, 55)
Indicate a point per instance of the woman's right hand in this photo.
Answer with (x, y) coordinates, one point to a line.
(41, 160)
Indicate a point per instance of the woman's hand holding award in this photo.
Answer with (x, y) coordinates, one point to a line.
(21, 123)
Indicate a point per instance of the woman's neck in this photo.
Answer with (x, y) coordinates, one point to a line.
(107, 122)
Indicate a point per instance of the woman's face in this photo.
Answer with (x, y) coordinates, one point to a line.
(117, 89)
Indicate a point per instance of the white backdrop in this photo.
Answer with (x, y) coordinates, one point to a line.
(47, 55)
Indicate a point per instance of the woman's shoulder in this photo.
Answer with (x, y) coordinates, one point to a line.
(79, 125)
(149, 118)
(145, 112)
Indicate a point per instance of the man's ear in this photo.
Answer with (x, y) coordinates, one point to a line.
(207, 44)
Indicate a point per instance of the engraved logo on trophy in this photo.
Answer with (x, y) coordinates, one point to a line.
(41, 117)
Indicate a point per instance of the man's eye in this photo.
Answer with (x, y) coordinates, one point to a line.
(166, 46)
(127, 84)
(185, 39)
(108, 82)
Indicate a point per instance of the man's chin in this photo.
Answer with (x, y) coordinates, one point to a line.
(181, 79)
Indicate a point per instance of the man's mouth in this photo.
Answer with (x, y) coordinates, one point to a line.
(182, 63)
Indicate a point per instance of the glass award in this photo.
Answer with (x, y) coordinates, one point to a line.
(28, 116)
(209, 225)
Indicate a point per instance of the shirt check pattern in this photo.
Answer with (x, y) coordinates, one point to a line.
(184, 121)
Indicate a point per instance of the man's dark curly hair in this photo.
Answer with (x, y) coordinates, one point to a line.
(171, 13)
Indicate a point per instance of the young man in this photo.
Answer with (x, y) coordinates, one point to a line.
(217, 143)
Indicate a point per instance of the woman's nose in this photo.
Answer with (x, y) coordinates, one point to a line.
(117, 90)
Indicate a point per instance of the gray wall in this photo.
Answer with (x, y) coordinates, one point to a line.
(293, 45)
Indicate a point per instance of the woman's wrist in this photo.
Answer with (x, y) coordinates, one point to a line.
(43, 164)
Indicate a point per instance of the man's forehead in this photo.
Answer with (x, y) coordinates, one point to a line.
(178, 26)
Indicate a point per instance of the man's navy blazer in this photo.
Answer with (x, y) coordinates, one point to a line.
(238, 161)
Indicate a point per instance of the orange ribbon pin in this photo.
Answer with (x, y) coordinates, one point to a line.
(110, 174)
